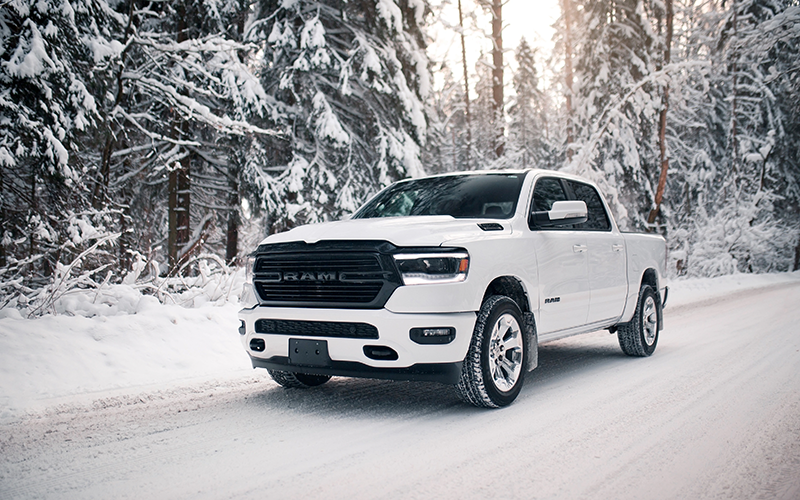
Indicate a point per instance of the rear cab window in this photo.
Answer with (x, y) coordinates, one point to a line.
(549, 190)
(598, 219)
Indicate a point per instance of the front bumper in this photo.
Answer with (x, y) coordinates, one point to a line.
(429, 362)
(445, 373)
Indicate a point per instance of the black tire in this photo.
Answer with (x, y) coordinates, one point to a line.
(639, 337)
(491, 378)
(297, 380)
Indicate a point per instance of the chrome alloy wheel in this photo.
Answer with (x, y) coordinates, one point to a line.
(649, 320)
(505, 352)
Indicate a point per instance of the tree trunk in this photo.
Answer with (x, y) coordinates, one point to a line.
(734, 98)
(179, 181)
(566, 7)
(234, 172)
(497, 76)
(3, 217)
(100, 194)
(34, 211)
(797, 256)
(662, 125)
(232, 232)
(468, 115)
(455, 151)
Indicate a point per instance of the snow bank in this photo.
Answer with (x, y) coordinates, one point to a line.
(134, 341)
(695, 291)
(61, 356)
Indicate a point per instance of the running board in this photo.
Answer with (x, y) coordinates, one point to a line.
(569, 332)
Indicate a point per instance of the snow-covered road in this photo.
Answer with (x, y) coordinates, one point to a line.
(715, 413)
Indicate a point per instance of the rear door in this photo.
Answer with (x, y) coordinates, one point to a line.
(606, 256)
(561, 255)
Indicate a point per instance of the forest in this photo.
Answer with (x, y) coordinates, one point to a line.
(152, 142)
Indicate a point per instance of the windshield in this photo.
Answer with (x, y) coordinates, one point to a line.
(492, 196)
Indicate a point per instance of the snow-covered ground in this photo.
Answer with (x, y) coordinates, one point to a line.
(137, 344)
(163, 403)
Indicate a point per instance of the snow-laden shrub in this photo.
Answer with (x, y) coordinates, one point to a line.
(76, 291)
(742, 238)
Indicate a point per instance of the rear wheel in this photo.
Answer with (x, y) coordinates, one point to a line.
(639, 336)
(299, 380)
(494, 369)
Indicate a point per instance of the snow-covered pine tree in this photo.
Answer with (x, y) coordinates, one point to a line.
(450, 132)
(766, 160)
(483, 116)
(565, 45)
(467, 99)
(528, 128)
(447, 145)
(616, 101)
(495, 10)
(349, 79)
(735, 196)
(48, 108)
(181, 104)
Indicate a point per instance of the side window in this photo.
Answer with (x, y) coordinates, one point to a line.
(598, 218)
(547, 192)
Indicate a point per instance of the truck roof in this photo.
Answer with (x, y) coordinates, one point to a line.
(536, 171)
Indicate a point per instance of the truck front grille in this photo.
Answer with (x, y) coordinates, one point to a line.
(326, 274)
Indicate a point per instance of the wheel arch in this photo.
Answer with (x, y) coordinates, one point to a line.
(650, 277)
(513, 288)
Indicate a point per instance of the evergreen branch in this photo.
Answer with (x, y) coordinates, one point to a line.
(613, 110)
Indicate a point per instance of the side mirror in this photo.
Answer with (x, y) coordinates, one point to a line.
(562, 213)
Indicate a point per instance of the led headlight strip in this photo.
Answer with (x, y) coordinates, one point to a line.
(431, 267)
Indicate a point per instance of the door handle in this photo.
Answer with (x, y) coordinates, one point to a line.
(617, 247)
(579, 248)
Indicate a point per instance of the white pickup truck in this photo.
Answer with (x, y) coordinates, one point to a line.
(454, 278)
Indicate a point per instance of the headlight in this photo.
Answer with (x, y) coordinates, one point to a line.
(419, 268)
(249, 268)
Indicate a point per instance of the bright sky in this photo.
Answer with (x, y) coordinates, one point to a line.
(531, 19)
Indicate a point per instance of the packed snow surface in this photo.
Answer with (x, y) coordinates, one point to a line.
(148, 400)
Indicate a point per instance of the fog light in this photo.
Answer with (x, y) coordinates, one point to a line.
(257, 345)
(437, 335)
(242, 328)
(380, 353)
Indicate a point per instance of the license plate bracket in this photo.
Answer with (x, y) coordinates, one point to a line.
(305, 352)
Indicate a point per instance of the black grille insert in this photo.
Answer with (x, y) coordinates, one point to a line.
(317, 329)
(327, 293)
(326, 274)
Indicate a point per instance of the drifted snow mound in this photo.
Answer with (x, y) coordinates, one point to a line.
(120, 337)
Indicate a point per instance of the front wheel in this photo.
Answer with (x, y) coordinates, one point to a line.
(639, 336)
(494, 368)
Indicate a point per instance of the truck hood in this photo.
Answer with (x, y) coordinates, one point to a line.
(401, 231)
